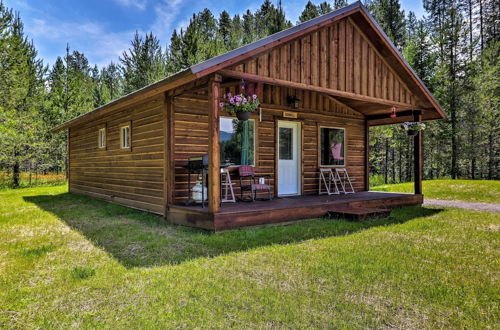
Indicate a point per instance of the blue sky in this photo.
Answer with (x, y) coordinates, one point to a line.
(102, 29)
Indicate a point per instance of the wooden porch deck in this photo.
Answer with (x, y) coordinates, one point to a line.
(284, 209)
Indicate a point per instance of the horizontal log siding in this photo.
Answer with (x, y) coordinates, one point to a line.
(130, 177)
(339, 57)
(191, 136)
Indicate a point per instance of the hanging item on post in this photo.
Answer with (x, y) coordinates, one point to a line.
(413, 127)
(240, 105)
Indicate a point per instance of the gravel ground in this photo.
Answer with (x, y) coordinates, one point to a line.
(463, 205)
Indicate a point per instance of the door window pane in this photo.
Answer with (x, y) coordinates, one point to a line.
(237, 141)
(286, 143)
(332, 142)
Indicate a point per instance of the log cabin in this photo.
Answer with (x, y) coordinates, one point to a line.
(333, 76)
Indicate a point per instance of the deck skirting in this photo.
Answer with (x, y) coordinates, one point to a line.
(242, 214)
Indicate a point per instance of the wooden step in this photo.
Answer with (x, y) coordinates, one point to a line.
(359, 213)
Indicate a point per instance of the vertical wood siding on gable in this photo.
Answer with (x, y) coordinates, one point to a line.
(338, 57)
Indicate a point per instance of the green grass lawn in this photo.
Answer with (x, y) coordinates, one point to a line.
(485, 191)
(72, 261)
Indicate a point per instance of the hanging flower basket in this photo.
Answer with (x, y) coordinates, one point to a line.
(240, 105)
(413, 127)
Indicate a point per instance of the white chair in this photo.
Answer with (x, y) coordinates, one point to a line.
(326, 178)
(344, 180)
(227, 193)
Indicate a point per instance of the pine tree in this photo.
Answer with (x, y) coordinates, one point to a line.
(324, 8)
(225, 27)
(111, 78)
(391, 18)
(337, 4)
(309, 12)
(236, 32)
(21, 96)
(144, 63)
(249, 28)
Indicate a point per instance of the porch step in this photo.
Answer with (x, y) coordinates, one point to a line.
(359, 213)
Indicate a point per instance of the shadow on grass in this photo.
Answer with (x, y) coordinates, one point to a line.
(140, 239)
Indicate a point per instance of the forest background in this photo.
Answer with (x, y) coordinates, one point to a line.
(454, 48)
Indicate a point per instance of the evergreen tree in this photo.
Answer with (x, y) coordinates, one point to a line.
(21, 96)
(309, 12)
(391, 18)
(324, 8)
(225, 27)
(236, 32)
(111, 78)
(337, 4)
(249, 29)
(144, 63)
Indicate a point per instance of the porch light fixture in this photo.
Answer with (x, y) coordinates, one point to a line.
(393, 114)
(293, 101)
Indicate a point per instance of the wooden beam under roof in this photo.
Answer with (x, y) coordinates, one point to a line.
(291, 84)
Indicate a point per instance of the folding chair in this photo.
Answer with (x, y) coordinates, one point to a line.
(227, 191)
(326, 178)
(344, 180)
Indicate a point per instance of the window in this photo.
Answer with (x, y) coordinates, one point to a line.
(332, 144)
(101, 142)
(237, 141)
(125, 136)
(286, 143)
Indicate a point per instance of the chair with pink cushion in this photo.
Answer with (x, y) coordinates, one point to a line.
(249, 182)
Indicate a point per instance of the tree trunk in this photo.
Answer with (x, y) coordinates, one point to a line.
(386, 164)
(393, 165)
(491, 156)
(15, 174)
(400, 152)
(481, 35)
(408, 163)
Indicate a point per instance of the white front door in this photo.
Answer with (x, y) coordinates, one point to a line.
(289, 158)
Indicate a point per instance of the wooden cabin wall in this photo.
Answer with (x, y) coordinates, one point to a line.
(130, 177)
(191, 135)
(339, 57)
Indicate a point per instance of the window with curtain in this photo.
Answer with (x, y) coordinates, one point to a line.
(332, 146)
(237, 139)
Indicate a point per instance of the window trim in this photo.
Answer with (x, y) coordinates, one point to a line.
(122, 126)
(319, 146)
(104, 145)
(254, 140)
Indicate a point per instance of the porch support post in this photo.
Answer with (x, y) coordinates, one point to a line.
(213, 144)
(367, 156)
(169, 165)
(417, 156)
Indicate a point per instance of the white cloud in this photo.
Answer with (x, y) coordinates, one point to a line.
(139, 4)
(166, 13)
(91, 38)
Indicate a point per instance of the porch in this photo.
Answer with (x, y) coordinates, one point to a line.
(284, 209)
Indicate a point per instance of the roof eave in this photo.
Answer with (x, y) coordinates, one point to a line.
(165, 84)
(404, 63)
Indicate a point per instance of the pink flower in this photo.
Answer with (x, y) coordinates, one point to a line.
(229, 94)
(254, 96)
(225, 95)
(221, 104)
(231, 100)
(244, 100)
